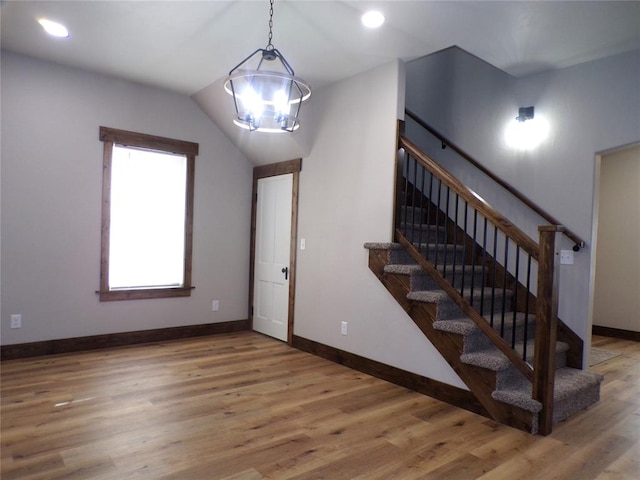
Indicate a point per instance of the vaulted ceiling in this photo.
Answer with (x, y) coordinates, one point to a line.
(187, 46)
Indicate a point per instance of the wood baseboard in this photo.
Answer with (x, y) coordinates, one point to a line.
(616, 333)
(66, 345)
(433, 388)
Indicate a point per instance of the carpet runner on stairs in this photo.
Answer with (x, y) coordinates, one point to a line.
(574, 389)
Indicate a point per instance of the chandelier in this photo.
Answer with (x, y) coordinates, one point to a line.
(268, 97)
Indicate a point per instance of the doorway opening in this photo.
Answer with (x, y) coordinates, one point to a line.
(616, 261)
(274, 230)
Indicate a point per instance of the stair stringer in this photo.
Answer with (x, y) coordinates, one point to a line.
(482, 382)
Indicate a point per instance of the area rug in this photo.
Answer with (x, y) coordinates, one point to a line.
(599, 355)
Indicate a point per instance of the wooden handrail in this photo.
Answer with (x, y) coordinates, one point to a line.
(542, 373)
(579, 243)
(508, 228)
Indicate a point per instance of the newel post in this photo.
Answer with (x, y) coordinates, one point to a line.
(546, 325)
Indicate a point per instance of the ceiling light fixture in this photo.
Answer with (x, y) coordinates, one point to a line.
(266, 100)
(54, 29)
(372, 19)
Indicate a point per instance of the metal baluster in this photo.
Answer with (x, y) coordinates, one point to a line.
(446, 245)
(504, 284)
(515, 297)
(495, 271)
(455, 241)
(438, 213)
(473, 255)
(484, 268)
(406, 190)
(421, 225)
(464, 243)
(526, 309)
(413, 199)
(429, 215)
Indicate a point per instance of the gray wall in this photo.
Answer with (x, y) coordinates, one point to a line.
(51, 191)
(51, 200)
(346, 199)
(51, 195)
(591, 107)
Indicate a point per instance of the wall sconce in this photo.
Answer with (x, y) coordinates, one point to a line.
(527, 132)
(524, 114)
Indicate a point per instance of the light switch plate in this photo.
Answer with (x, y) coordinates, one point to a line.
(566, 257)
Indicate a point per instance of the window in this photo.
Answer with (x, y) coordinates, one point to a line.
(147, 216)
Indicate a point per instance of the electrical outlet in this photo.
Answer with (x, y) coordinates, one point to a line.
(16, 321)
(303, 244)
(343, 328)
(215, 305)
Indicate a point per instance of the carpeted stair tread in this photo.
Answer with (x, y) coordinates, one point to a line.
(429, 296)
(449, 309)
(571, 380)
(439, 245)
(466, 326)
(405, 269)
(493, 359)
(475, 339)
(518, 395)
(478, 293)
(421, 280)
(458, 268)
(417, 269)
(422, 226)
(396, 253)
(574, 389)
(423, 232)
(461, 326)
(412, 212)
(570, 385)
(383, 246)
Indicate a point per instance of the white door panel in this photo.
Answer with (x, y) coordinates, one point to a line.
(272, 256)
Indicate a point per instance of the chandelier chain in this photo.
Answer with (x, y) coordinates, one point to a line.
(270, 44)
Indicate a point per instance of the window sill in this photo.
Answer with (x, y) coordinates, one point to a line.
(114, 295)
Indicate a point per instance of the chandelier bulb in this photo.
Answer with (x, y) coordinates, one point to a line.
(266, 100)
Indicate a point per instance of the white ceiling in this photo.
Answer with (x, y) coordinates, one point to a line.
(187, 45)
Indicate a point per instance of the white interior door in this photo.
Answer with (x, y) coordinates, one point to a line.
(272, 256)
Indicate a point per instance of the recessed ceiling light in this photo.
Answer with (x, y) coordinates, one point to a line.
(53, 28)
(372, 19)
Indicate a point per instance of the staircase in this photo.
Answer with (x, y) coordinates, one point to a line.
(463, 274)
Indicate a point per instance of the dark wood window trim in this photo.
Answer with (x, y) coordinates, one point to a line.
(273, 170)
(111, 137)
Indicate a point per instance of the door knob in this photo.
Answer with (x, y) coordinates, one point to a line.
(285, 270)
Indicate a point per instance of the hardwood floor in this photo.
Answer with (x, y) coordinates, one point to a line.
(242, 406)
